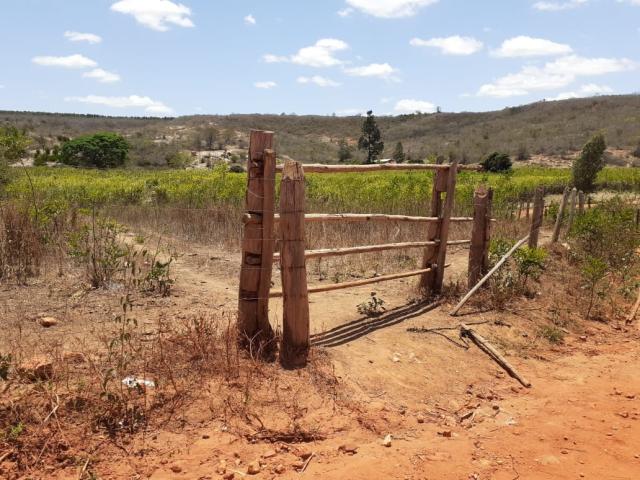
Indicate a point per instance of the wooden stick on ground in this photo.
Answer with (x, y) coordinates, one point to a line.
(634, 310)
(497, 266)
(493, 353)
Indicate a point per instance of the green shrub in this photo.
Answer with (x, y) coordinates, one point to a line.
(497, 162)
(590, 162)
(100, 150)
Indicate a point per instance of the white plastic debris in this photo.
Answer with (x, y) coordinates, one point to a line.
(133, 382)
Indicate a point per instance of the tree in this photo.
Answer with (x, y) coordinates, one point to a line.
(497, 162)
(210, 136)
(101, 150)
(13, 146)
(398, 153)
(179, 160)
(589, 163)
(371, 139)
(344, 151)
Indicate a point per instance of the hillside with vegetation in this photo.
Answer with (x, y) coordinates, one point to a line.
(548, 129)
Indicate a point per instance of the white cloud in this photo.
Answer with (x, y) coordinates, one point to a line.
(345, 12)
(588, 90)
(250, 20)
(82, 37)
(102, 76)
(155, 14)
(408, 106)
(319, 81)
(321, 54)
(523, 46)
(265, 85)
(132, 101)
(552, 6)
(71, 61)
(380, 70)
(390, 8)
(553, 75)
(454, 45)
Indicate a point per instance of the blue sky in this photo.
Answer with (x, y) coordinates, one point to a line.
(170, 57)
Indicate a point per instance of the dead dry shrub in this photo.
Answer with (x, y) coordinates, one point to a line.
(21, 244)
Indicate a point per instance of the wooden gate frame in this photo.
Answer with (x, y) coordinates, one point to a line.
(258, 242)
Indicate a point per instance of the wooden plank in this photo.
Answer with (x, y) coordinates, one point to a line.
(359, 217)
(480, 235)
(337, 252)
(251, 325)
(357, 283)
(537, 217)
(484, 279)
(295, 312)
(558, 226)
(268, 208)
(322, 168)
(445, 224)
(430, 255)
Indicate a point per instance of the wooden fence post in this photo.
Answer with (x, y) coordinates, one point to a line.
(536, 220)
(445, 223)
(295, 330)
(572, 208)
(480, 235)
(257, 250)
(561, 209)
(581, 202)
(433, 232)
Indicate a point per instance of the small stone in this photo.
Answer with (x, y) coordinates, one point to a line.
(348, 448)
(74, 357)
(36, 369)
(206, 437)
(253, 468)
(222, 467)
(420, 419)
(229, 476)
(48, 322)
(386, 442)
(564, 452)
(176, 468)
(630, 396)
(279, 469)
(446, 434)
(304, 454)
(269, 454)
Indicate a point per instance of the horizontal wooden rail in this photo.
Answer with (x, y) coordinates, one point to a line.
(357, 217)
(325, 168)
(336, 252)
(359, 283)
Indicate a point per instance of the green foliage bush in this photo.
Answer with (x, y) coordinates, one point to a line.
(587, 166)
(497, 162)
(100, 150)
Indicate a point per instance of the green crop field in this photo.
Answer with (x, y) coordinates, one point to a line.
(385, 192)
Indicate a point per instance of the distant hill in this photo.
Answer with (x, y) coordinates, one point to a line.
(544, 128)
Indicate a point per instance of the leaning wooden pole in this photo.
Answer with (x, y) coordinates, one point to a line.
(295, 313)
(497, 266)
(536, 220)
(572, 208)
(430, 256)
(561, 210)
(255, 270)
(480, 235)
(493, 353)
(447, 212)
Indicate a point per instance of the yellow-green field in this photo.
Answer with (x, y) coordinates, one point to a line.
(406, 192)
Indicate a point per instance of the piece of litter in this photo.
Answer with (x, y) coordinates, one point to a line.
(133, 382)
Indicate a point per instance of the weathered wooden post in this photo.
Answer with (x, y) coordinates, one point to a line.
(558, 225)
(257, 245)
(572, 208)
(581, 202)
(536, 220)
(295, 331)
(480, 235)
(436, 257)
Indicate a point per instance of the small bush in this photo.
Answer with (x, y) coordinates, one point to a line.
(552, 333)
(497, 162)
(374, 307)
(587, 166)
(21, 243)
(100, 150)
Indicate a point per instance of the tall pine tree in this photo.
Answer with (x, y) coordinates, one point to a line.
(398, 153)
(371, 139)
(589, 163)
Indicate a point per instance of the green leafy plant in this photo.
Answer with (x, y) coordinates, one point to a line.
(552, 333)
(5, 365)
(587, 166)
(374, 307)
(594, 271)
(100, 150)
(497, 162)
(530, 263)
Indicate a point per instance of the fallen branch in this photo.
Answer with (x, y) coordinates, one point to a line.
(493, 353)
(497, 266)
